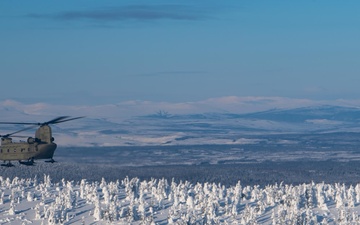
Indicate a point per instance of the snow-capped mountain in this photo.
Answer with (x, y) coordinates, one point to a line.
(114, 125)
(217, 128)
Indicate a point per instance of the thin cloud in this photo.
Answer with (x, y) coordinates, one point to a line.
(134, 12)
(174, 73)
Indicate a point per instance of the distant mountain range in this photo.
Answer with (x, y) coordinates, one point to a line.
(163, 128)
(214, 128)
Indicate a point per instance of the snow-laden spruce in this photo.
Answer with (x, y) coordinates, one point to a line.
(132, 201)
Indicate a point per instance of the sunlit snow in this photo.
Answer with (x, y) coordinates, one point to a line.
(135, 201)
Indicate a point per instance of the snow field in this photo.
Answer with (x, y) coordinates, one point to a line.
(132, 201)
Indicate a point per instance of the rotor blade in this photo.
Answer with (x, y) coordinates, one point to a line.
(59, 119)
(75, 118)
(19, 136)
(56, 120)
(27, 128)
(20, 123)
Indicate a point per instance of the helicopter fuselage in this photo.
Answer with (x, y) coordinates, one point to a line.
(42, 146)
(10, 151)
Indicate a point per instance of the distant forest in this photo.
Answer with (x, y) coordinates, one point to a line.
(296, 172)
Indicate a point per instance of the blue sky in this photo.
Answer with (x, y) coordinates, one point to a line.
(100, 52)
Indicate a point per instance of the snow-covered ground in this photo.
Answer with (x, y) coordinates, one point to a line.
(135, 201)
(259, 148)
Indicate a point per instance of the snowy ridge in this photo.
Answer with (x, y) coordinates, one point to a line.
(228, 120)
(215, 128)
(132, 201)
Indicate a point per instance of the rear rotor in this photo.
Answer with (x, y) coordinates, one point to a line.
(57, 120)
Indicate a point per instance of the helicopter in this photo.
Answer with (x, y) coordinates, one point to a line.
(42, 146)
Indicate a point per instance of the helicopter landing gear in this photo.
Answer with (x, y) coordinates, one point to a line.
(9, 164)
(30, 162)
(50, 161)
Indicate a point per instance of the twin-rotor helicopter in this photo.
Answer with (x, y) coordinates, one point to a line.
(41, 146)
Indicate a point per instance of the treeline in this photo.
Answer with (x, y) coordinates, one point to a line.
(262, 174)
